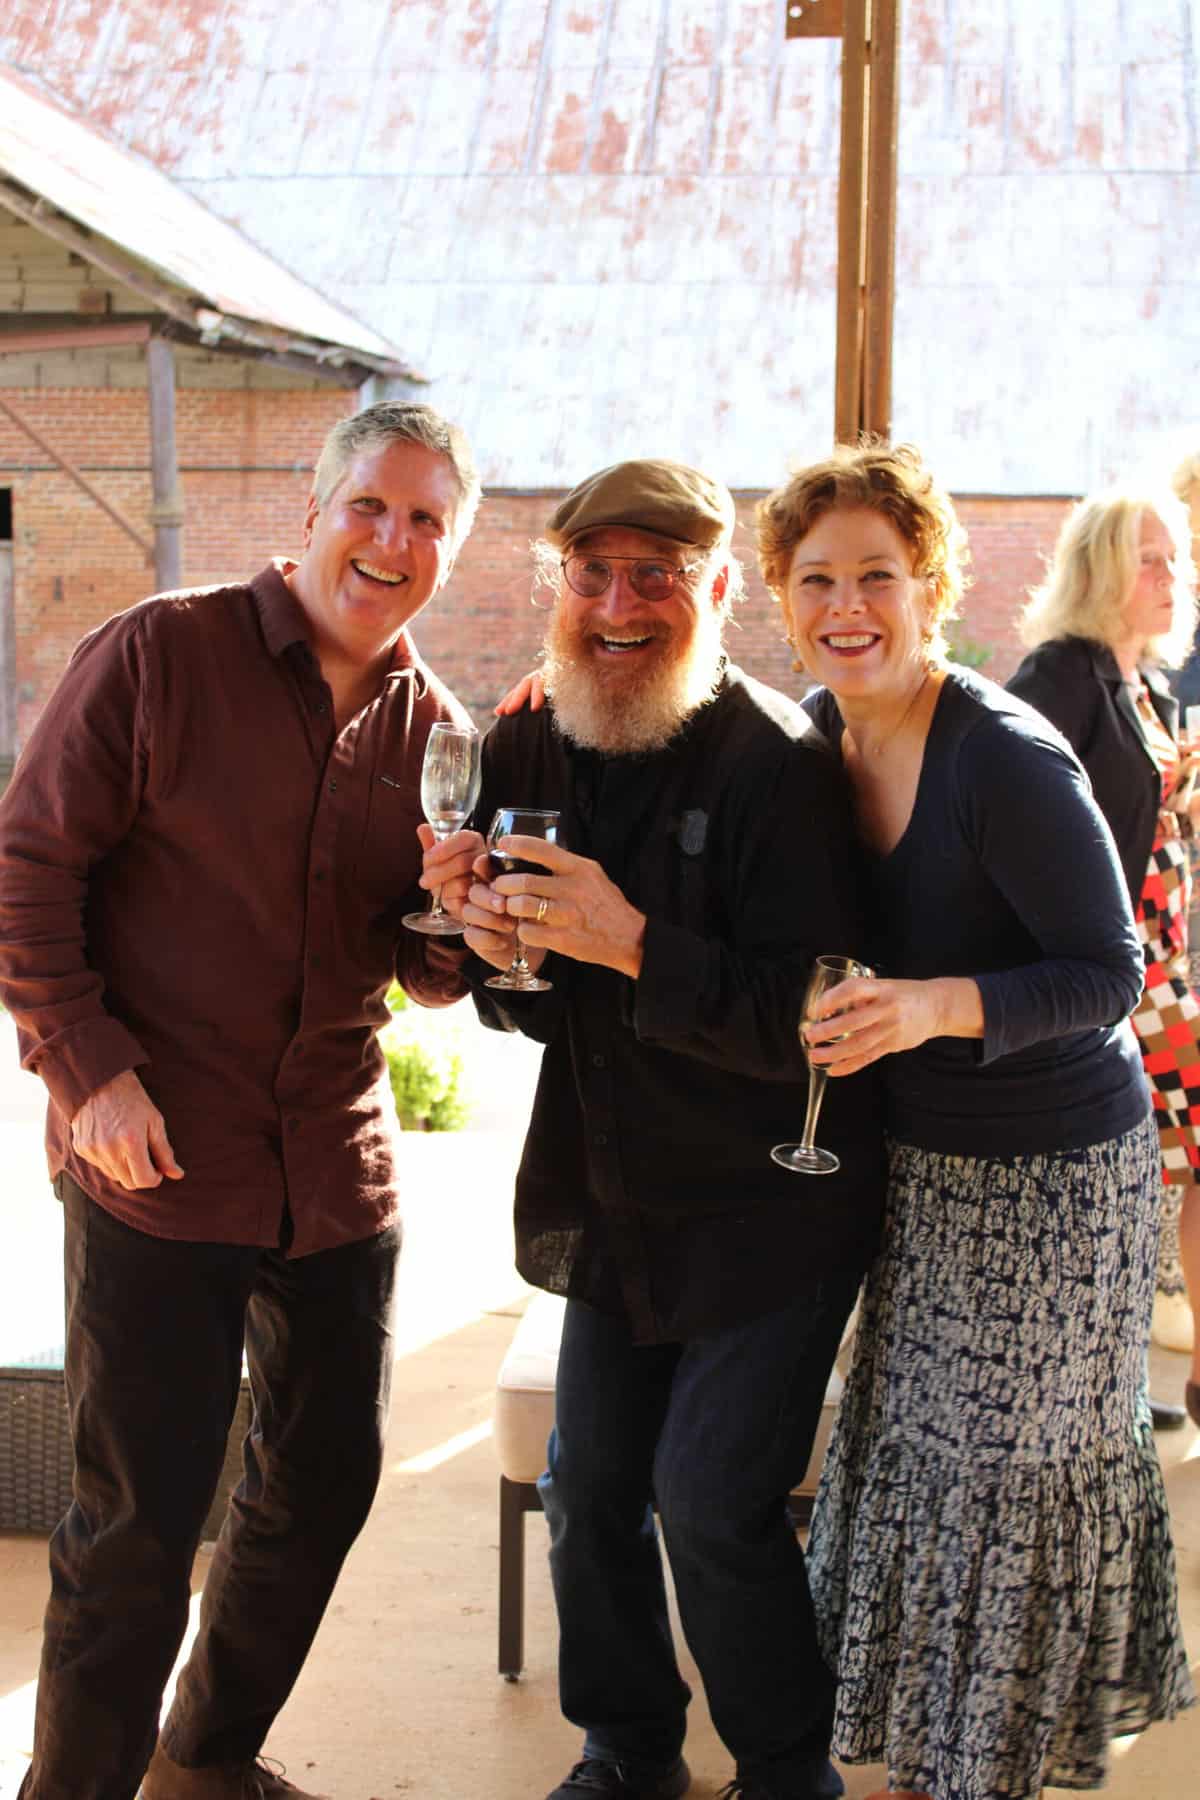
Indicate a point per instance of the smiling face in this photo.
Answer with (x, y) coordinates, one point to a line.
(1150, 608)
(859, 615)
(625, 672)
(377, 551)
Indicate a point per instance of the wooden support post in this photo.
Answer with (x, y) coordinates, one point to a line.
(167, 511)
(883, 130)
(866, 205)
(852, 226)
(8, 665)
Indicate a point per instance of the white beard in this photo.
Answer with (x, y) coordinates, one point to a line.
(636, 710)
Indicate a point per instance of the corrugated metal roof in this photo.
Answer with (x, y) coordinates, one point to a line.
(607, 227)
(114, 193)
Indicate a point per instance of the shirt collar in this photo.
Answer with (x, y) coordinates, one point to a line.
(1108, 669)
(279, 612)
(284, 621)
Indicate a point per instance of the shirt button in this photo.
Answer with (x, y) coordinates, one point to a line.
(293, 1124)
(598, 1061)
(314, 962)
(322, 706)
(600, 1139)
(333, 787)
(320, 875)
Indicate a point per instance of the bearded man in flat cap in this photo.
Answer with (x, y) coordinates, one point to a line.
(702, 862)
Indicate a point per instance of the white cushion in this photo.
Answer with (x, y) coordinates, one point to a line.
(525, 1390)
(525, 1397)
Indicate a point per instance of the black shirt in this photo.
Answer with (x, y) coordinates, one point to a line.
(1077, 685)
(646, 1185)
(1007, 873)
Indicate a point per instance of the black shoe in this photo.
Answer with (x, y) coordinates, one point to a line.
(1165, 1416)
(621, 1782)
(1192, 1395)
(827, 1786)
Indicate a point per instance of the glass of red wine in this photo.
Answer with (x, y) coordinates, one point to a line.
(519, 821)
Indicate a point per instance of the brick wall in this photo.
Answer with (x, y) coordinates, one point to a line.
(483, 630)
(245, 458)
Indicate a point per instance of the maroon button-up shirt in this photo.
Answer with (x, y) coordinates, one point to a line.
(202, 879)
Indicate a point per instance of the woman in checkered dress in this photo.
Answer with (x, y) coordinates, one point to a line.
(1115, 608)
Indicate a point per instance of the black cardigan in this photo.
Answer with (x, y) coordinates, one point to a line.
(1077, 685)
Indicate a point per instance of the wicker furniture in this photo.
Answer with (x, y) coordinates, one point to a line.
(36, 1464)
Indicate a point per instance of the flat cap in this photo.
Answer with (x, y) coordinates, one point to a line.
(666, 498)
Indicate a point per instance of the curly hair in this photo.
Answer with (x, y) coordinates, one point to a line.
(1094, 567)
(884, 478)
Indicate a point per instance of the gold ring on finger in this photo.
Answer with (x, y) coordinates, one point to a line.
(543, 903)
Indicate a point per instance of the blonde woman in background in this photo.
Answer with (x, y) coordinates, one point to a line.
(1116, 610)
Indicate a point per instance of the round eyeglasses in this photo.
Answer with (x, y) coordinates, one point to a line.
(651, 578)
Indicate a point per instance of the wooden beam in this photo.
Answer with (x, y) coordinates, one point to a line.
(8, 665)
(815, 18)
(73, 337)
(852, 189)
(883, 129)
(98, 252)
(255, 335)
(68, 468)
(167, 511)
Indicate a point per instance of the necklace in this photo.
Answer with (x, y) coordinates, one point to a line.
(885, 740)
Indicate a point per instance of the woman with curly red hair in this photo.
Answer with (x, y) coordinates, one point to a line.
(990, 1552)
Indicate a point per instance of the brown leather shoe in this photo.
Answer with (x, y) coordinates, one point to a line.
(257, 1780)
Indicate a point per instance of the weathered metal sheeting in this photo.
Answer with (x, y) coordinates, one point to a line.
(606, 227)
(111, 191)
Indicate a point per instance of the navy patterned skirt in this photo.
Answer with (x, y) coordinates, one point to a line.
(990, 1554)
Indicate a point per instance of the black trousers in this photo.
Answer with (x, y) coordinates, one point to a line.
(155, 1332)
(717, 1430)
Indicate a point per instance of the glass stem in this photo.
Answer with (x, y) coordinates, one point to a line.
(437, 910)
(816, 1093)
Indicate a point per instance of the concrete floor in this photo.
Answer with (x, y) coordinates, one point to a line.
(401, 1694)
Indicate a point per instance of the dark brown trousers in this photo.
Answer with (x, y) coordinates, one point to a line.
(155, 1333)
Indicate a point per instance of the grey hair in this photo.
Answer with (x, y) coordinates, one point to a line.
(391, 421)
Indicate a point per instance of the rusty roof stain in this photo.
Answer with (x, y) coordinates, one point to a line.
(607, 227)
(118, 195)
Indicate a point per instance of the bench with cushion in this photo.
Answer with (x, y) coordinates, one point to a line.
(521, 1426)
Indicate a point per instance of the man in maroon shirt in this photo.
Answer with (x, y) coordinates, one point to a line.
(205, 853)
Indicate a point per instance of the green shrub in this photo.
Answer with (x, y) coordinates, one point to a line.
(967, 653)
(426, 1080)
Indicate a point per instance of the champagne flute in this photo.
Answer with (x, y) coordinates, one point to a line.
(805, 1158)
(519, 821)
(449, 790)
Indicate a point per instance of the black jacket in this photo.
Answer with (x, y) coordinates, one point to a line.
(1077, 685)
(647, 1186)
